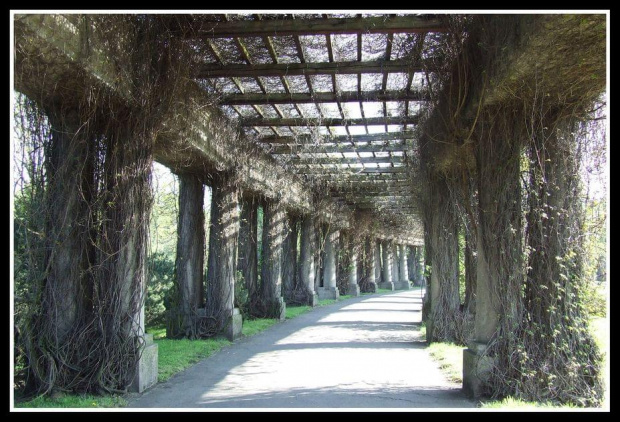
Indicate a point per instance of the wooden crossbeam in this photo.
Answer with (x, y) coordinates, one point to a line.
(387, 190)
(330, 121)
(332, 172)
(212, 70)
(322, 97)
(312, 139)
(320, 149)
(344, 160)
(283, 27)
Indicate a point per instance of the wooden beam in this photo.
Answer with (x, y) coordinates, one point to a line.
(329, 121)
(319, 149)
(322, 97)
(283, 27)
(212, 70)
(344, 139)
(344, 160)
(332, 172)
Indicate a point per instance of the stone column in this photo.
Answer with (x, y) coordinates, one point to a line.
(377, 258)
(247, 259)
(271, 272)
(353, 288)
(387, 281)
(221, 273)
(190, 258)
(307, 258)
(403, 282)
(289, 258)
(371, 266)
(394, 259)
(329, 289)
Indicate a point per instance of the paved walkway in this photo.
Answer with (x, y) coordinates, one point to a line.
(364, 352)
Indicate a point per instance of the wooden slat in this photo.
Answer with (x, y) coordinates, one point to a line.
(330, 172)
(296, 149)
(321, 97)
(284, 27)
(309, 139)
(330, 121)
(297, 69)
(344, 160)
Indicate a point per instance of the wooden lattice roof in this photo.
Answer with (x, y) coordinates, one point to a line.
(334, 97)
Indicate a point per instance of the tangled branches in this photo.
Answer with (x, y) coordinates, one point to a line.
(83, 329)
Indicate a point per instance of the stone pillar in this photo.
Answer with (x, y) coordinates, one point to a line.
(377, 258)
(271, 272)
(68, 249)
(189, 259)
(395, 270)
(289, 258)
(387, 281)
(247, 259)
(403, 282)
(307, 258)
(221, 273)
(329, 289)
(125, 228)
(370, 266)
(353, 288)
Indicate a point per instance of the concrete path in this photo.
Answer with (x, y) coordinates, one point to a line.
(364, 352)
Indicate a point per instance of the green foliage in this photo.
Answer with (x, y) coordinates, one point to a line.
(177, 355)
(74, 401)
(159, 287)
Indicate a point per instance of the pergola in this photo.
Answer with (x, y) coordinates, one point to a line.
(334, 98)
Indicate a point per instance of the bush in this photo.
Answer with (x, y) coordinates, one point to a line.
(159, 288)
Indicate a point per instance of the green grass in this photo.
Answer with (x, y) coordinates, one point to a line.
(177, 355)
(512, 403)
(324, 302)
(450, 359)
(254, 326)
(158, 331)
(385, 291)
(345, 297)
(294, 311)
(73, 401)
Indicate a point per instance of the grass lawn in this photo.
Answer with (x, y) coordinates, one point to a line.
(293, 311)
(450, 359)
(177, 355)
(74, 401)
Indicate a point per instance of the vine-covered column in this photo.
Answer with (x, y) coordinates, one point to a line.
(307, 271)
(189, 260)
(221, 314)
(271, 270)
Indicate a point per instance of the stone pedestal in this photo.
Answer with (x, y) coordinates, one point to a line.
(353, 290)
(476, 370)
(233, 327)
(389, 285)
(402, 285)
(146, 372)
(328, 293)
(313, 300)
